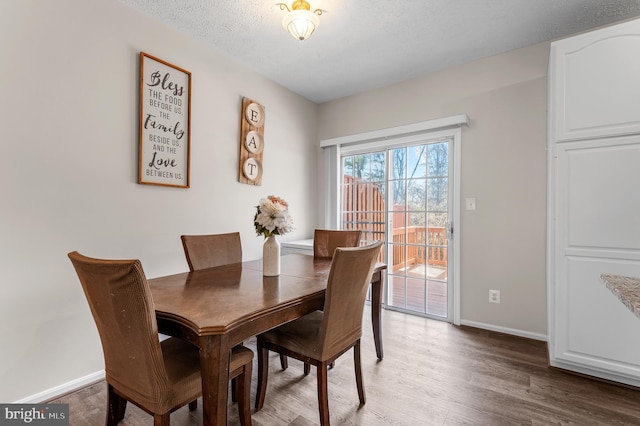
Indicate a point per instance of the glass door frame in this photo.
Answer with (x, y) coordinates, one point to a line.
(334, 148)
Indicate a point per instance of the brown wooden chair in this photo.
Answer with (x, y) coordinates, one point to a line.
(159, 377)
(208, 251)
(322, 336)
(325, 242)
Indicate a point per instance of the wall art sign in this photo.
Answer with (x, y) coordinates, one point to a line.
(165, 119)
(251, 142)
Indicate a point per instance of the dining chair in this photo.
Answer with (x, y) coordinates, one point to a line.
(211, 250)
(208, 251)
(321, 337)
(159, 377)
(325, 242)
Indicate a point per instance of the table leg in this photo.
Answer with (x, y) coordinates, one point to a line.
(376, 308)
(214, 364)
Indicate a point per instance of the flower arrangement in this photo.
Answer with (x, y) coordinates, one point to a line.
(272, 217)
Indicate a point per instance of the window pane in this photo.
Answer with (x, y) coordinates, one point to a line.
(437, 194)
(437, 246)
(398, 195)
(438, 159)
(418, 268)
(356, 166)
(347, 166)
(381, 188)
(365, 166)
(347, 194)
(417, 161)
(435, 220)
(399, 166)
(398, 254)
(378, 166)
(417, 220)
(416, 295)
(397, 291)
(416, 189)
(437, 297)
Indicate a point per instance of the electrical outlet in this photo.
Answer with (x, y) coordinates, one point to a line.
(494, 296)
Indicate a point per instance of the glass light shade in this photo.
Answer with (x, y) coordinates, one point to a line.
(300, 23)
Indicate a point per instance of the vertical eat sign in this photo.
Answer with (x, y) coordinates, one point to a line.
(251, 142)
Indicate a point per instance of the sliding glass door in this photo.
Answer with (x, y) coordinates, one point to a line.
(400, 195)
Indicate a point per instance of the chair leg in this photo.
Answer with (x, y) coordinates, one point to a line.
(323, 395)
(193, 405)
(161, 419)
(233, 384)
(234, 389)
(263, 373)
(116, 407)
(283, 362)
(358, 367)
(244, 395)
(307, 368)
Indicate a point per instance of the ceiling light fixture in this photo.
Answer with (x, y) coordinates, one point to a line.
(300, 22)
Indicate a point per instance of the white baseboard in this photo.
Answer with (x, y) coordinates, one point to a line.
(612, 376)
(62, 389)
(513, 331)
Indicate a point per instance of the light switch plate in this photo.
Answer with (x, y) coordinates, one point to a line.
(471, 203)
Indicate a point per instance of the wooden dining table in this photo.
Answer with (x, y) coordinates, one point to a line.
(218, 308)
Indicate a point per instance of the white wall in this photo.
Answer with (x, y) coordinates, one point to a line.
(68, 171)
(503, 167)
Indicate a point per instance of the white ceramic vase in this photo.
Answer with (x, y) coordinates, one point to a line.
(271, 257)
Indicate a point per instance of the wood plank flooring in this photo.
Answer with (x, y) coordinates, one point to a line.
(433, 373)
(419, 296)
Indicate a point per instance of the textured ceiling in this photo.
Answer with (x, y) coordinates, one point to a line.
(364, 44)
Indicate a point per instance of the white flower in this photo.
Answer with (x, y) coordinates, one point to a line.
(272, 217)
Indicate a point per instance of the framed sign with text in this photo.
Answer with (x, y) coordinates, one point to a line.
(165, 118)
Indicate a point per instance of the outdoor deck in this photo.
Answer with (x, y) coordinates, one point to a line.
(419, 295)
(417, 278)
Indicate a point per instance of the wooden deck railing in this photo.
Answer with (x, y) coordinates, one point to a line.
(424, 245)
(364, 209)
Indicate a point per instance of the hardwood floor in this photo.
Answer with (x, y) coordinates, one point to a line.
(433, 373)
(418, 296)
